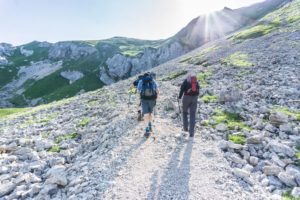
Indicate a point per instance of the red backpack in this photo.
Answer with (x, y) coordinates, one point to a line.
(194, 90)
(194, 84)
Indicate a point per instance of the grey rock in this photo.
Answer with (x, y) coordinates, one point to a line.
(287, 179)
(271, 170)
(277, 161)
(281, 148)
(270, 128)
(253, 160)
(221, 127)
(241, 173)
(232, 145)
(278, 118)
(297, 178)
(248, 168)
(245, 154)
(57, 175)
(230, 95)
(6, 188)
(256, 139)
(265, 182)
(286, 128)
(274, 181)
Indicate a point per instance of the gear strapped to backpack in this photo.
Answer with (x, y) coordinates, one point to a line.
(148, 91)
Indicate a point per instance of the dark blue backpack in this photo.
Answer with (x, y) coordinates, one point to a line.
(148, 92)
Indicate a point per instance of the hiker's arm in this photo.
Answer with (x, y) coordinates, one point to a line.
(139, 87)
(181, 90)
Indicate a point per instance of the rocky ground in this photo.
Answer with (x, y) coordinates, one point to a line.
(246, 146)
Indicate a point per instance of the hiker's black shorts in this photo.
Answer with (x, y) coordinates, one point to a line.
(147, 106)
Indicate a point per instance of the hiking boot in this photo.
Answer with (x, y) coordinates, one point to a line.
(147, 132)
(191, 135)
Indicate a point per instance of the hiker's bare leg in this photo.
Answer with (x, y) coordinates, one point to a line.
(147, 118)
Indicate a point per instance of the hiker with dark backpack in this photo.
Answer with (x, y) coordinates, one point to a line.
(190, 91)
(148, 89)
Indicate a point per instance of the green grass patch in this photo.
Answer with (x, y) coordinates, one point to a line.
(185, 60)
(48, 118)
(84, 122)
(174, 75)
(199, 60)
(237, 59)
(210, 49)
(54, 149)
(298, 155)
(61, 138)
(256, 31)
(287, 111)
(288, 196)
(232, 120)
(4, 112)
(202, 78)
(237, 139)
(209, 98)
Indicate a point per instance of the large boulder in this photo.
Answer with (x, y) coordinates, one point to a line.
(278, 118)
(281, 148)
(119, 66)
(287, 179)
(230, 95)
(57, 175)
(271, 170)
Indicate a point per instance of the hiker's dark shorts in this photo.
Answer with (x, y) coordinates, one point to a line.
(147, 106)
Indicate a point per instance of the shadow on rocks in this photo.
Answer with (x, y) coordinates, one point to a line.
(175, 180)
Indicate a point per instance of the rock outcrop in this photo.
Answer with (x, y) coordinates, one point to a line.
(72, 76)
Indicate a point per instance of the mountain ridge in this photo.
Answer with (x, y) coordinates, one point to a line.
(100, 62)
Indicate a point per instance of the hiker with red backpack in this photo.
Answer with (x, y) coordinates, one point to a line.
(190, 91)
(148, 89)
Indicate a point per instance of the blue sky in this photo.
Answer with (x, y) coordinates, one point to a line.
(22, 21)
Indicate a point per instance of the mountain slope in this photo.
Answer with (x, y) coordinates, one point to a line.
(41, 72)
(91, 146)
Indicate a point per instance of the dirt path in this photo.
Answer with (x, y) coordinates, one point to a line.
(175, 167)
